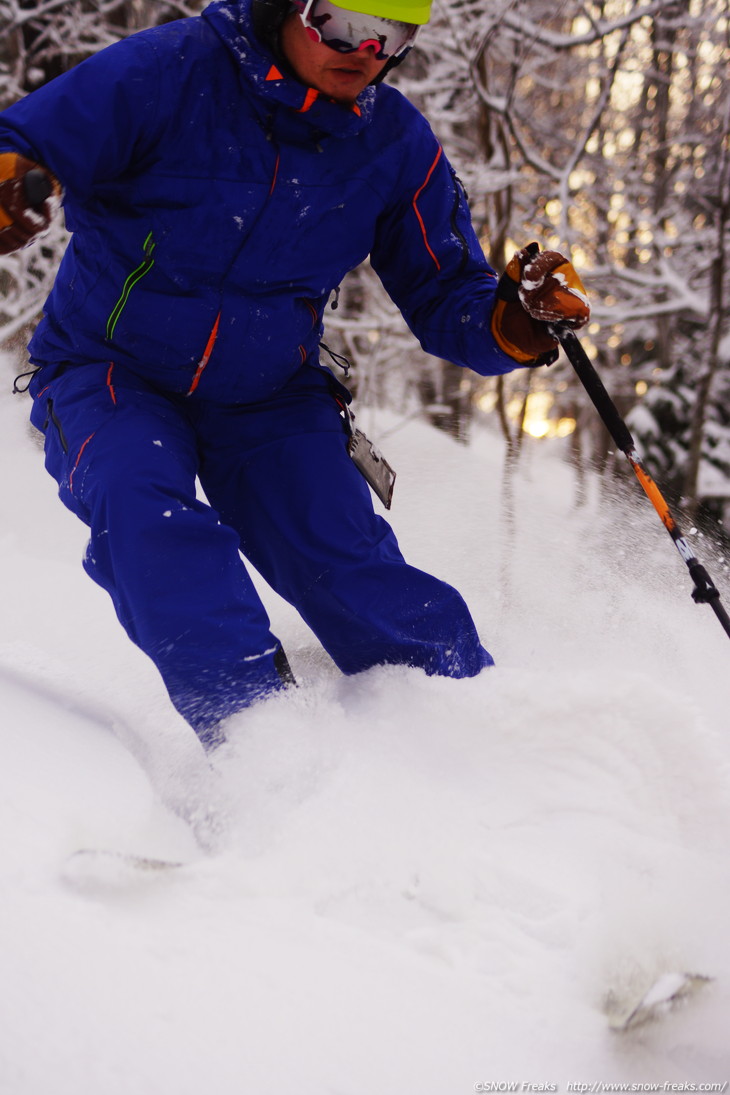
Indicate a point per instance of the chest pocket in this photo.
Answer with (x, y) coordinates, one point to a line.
(312, 234)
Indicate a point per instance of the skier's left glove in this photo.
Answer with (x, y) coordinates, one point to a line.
(537, 288)
(29, 196)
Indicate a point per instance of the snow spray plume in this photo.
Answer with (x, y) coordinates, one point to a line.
(704, 591)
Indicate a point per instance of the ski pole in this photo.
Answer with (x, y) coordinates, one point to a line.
(704, 591)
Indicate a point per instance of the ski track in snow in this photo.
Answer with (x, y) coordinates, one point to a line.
(410, 884)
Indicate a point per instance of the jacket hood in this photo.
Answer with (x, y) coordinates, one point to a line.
(309, 112)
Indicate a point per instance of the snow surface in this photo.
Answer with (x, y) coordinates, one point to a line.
(413, 885)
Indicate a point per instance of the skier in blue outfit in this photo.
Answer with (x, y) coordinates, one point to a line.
(220, 175)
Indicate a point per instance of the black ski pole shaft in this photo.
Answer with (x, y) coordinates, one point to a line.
(705, 591)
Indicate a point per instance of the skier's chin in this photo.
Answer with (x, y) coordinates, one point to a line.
(344, 84)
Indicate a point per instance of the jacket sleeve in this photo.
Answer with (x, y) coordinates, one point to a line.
(88, 125)
(428, 257)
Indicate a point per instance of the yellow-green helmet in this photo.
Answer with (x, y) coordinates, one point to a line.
(405, 11)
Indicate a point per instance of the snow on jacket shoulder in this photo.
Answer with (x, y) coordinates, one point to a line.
(215, 203)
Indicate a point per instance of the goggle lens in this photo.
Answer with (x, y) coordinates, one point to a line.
(350, 31)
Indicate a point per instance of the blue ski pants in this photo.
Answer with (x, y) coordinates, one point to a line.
(281, 490)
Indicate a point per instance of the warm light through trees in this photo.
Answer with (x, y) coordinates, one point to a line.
(602, 129)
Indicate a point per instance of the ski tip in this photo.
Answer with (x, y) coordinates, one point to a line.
(658, 1000)
(90, 869)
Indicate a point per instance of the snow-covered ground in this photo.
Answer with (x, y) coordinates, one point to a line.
(414, 885)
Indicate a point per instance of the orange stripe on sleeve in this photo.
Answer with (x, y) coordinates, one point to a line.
(416, 196)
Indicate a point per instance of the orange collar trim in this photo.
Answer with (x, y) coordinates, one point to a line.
(309, 100)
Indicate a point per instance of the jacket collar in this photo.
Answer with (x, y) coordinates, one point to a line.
(273, 85)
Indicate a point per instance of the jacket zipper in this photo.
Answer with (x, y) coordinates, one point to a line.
(144, 267)
(212, 337)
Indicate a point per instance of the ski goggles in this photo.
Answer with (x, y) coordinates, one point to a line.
(350, 31)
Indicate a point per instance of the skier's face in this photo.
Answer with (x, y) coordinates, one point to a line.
(341, 76)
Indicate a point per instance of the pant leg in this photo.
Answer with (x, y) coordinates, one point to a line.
(125, 458)
(280, 474)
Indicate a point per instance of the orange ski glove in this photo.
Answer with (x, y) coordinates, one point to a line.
(537, 288)
(28, 194)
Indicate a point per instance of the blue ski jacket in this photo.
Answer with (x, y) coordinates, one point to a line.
(215, 203)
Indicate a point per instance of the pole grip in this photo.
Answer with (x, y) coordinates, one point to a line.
(37, 186)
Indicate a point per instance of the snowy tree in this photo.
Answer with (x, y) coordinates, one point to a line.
(39, 39)
(599, 128)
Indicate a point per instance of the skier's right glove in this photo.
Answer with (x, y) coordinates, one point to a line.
(538, 289)
(29, 196)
